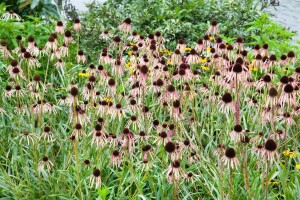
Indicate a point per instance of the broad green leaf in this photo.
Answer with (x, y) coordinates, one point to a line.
(34, 3)
(103, 192)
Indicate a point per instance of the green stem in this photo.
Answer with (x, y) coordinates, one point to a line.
(245, 171)
(230, 183)
(267, 182)
(78, 169)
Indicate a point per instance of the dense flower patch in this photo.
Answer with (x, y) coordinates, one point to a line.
(146, 120)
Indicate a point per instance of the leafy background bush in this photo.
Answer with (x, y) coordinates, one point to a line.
(33, 7)
(187, 19)
(178, 19)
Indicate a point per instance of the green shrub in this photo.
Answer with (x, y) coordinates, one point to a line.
(33, 7)
(264, 30)
(176, 19)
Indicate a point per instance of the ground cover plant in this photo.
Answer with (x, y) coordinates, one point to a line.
(212, 119)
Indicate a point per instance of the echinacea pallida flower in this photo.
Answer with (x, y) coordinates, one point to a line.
(287, 96)
(230, 158)
(174, 172)
(59, 27)
(47, 134)
(36, 83)
(170, 147)
(45, 163)
(127, 141)
(98, 136)
(51, 44)
(237, 133)
(116, 158)
(190, 177)
(126, 25)
(287, 118)
(81, 57)
(170, 94)
(213, 29)
(105, 35)
(272, 97)
(77, 25)
(78, 131)
(11, 15)
(181, 46)
(27, 137)
(176, 57)
(68, 37)
(226, 105)
(270, 150)
(95, 178)
(291, 57)
(279, 134)
(193, 57)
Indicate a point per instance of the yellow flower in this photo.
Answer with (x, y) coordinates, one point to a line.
(130, 53)
(211, 38)
(83, 74)
(251, 68)
(132, 44)
(108, 99)
(169, 62)
(205, 68)
(60, 88)
(166, 51)
(69, 64)
(215, 67)
(203, 60)
(275, 182)
(128, 65)
(293, 154)
(208, 49)
(286, 152)
(187, 48)
(131, 71)
(286, 70)
(298, 166)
